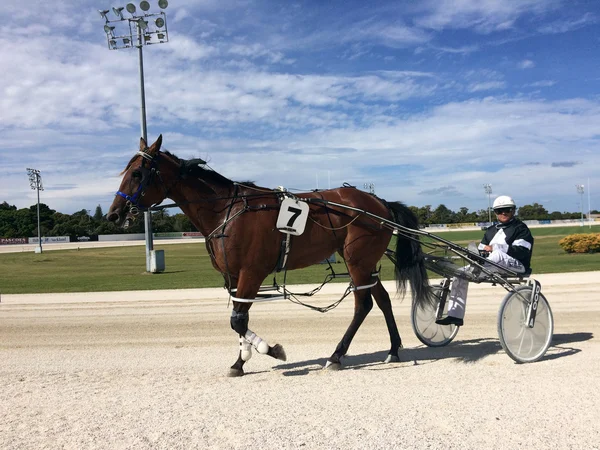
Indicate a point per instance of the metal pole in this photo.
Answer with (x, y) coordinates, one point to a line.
(589, 206)
(580, 191)
(142, 91)
(147, 214)
(488, 191)
(582, 207)
(37, 180)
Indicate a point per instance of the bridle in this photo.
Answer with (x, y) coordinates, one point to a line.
(132, 201)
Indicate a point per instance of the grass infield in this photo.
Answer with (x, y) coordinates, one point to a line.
(189, 266)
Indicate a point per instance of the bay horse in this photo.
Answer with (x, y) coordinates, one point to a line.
(239, 223)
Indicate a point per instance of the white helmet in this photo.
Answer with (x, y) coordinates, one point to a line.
(504, 201)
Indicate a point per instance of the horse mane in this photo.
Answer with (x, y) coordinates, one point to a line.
(197, 168)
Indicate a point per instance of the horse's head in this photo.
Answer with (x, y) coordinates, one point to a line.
(142, 185)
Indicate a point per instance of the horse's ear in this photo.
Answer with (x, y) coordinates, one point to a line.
(153, 150)
(143, 145)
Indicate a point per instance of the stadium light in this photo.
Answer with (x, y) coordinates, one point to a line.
(488, 191)
(35, 181)
(370, 187)
(124, 32)
(119, 12)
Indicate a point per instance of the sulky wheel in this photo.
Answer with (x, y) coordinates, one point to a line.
(522, 343)
(424, 326)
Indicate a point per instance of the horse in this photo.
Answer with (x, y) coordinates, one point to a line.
(239, 223)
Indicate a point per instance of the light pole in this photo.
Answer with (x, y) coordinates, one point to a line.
(370, 187)
(589, 205)
(488, 191)
(35, 181)
(580, 190)
(146, 28)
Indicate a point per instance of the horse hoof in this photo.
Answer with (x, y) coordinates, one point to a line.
(334, 366)
(278, 352)
(235, 372)
(391, 359)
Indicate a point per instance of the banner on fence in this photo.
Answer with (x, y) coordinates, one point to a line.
(9, 241)
(461, 225)
(49, 239)
(192, 234)
(87, 238)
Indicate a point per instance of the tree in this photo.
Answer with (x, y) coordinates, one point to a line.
(532, 212)
(424, 214)
(442, 215)
(6, 207)
(182, 223)
(161, 222)
(98, 214)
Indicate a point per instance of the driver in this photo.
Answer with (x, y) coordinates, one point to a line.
(509, 243)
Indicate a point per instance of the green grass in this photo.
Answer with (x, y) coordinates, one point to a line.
(188, 266)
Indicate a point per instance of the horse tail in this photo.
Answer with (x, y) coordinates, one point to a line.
(409, 262)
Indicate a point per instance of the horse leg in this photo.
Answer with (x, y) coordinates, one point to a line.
(383, 301)
(247, 338)
(363, 303)
(239, 324)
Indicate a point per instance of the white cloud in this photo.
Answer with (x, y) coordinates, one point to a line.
(566, 25)
(486, 86)
(542, 83)
(526, 64)
(484, 16)
(286, 101)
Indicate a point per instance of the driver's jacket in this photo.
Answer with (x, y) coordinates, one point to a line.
(513, 238)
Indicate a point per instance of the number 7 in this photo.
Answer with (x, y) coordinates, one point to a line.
(295, 213)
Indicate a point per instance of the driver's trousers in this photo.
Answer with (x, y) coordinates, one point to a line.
(457, 300)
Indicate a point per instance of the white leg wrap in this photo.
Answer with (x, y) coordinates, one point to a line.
(245, 349)
(260, 345)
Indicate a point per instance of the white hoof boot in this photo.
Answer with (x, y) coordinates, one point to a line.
(332, 366)
(392, 359)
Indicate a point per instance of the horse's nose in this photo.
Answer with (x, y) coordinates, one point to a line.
(112, 216)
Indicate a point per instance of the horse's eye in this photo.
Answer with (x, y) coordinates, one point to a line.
(136, 174)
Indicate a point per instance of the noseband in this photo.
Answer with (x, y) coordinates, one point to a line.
(147, 177)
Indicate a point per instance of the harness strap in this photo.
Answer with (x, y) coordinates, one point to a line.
(283, 253)
(366, 286)
(259, 299)
(146, 156)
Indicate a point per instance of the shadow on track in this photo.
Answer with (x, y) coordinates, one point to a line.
(466, 351)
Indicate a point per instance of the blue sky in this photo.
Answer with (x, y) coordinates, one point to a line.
(427, 100)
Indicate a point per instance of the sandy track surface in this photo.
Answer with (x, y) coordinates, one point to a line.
(146, 370)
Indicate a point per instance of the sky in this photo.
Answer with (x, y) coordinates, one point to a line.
(426, 100)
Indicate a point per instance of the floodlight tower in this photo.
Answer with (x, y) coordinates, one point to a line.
(147, 28)
(370, 187)
(488, 191)
(35, 181)
(580, 190)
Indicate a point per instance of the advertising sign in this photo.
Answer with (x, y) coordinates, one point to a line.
(49, 240)
(192, 234)
(87, 238)
(9, 241)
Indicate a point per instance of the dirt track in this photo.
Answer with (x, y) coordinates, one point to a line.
(146, 370)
